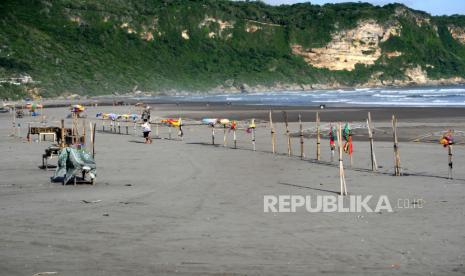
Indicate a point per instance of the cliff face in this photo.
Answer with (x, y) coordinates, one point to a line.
(458, 33)
(113, 46)
(347, 48)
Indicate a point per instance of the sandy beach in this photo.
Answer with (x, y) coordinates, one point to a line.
(190, 208)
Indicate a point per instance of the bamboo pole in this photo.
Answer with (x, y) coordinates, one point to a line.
(213, 134)
(286, 123)
(350, 152)
(235, 138)
(252, 128)
(397, 169)
(13, 121)
(91, 132)
(84, 131)
(301, 137)
(318, 142)
(449, 149)
(342, 178)
(253, 139)
(224, 136)
(42, 114)
(62, 144)
(180, 131)
(93, 140)
(374, 164)
(273, 134)
(74, 128)
(29, 139)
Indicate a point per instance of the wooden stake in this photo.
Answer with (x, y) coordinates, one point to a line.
(273, 134)
(213, 134)
(75, 128)
(301, 137)
(62, 144)
(286, 123)
(253, 139)
(318, 142)
(234, 138)
(91, 132)
(449, 149)
(374, 164)
(93, 140)
(169, 132)
(29, 138)
(84, 131)
(397, 169)
(224, 136)
(180, 132)
(42, 114)
(342, 178)
(252, 128)
(13, 121)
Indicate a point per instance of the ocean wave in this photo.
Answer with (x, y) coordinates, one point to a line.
(419, 104)
(389, 96)
(452, 90)
(231, 99)
(332, 101)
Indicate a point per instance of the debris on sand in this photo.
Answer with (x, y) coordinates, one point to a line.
(45, 273)
(91, 201)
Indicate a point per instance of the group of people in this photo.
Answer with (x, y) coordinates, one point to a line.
(346, 134)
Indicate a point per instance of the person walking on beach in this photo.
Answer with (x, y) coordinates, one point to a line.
(146, 114)
(146, 129)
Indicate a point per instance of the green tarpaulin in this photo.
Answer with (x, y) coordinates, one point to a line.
(71, 161)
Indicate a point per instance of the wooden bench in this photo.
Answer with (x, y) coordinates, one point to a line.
(50, 152)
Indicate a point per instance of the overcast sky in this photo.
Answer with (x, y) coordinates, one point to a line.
(435, 7)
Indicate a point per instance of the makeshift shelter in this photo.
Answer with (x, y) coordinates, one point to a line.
(74, 163)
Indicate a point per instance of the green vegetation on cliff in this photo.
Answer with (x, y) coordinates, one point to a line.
(94, 47)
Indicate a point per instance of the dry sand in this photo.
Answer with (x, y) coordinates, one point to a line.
(186, 207)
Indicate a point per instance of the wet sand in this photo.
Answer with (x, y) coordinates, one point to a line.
(190, 208)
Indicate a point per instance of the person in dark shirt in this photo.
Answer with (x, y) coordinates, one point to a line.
(146, 114)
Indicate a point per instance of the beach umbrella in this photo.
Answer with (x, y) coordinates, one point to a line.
(77, 108)
(112, 116)
(209, 121)
(224, 121)
(172, 122)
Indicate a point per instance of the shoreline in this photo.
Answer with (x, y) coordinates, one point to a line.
(176, 97)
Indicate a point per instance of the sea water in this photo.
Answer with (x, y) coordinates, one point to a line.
(425, 96)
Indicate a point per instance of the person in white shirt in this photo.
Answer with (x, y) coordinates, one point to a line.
(146, 129)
